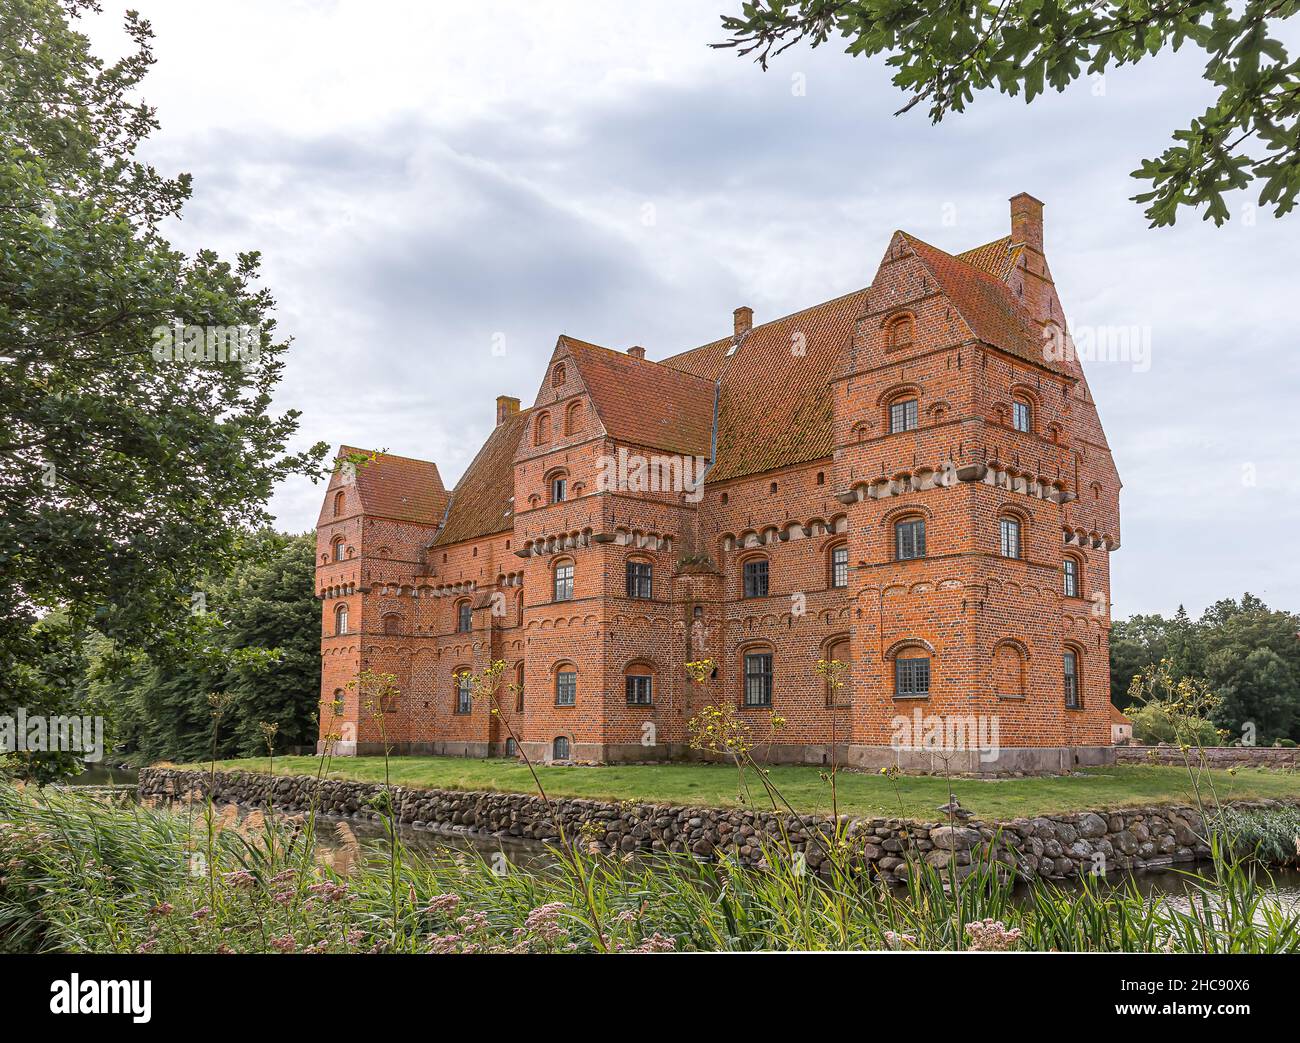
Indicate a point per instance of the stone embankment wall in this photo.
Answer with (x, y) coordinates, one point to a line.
(1053, 846)
(1215, 756)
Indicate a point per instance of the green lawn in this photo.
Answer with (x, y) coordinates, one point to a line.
(859, 793)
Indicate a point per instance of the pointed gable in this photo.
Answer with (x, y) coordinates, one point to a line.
(396, 487)
(775, 398)
(985, 303)
(644, 403)
(998, 258)
(482, 504)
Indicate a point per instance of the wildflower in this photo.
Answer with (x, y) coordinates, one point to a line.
(655, 943)
(991, 936)
(443, 903)
(285, 943)
(896, 941)
(241, 879)
(162, 909)
(201, 914)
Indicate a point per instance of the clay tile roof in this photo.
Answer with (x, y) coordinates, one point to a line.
(646, 403)
(1117, 715)
(985, 302)
(999, 258)
(399, 487)
(774, 406)
(483, 501)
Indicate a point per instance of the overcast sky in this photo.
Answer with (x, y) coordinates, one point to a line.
(427, 179)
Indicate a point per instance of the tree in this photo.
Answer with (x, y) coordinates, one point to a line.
(1252, 659)
(944, 53)
(136, 438)
(1135, 644)
(264, 608)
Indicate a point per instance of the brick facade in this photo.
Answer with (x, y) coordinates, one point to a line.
(793, 420)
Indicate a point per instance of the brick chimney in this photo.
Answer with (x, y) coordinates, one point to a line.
(506, 407)
(636, 351)
(1027, 221)
(744, 321)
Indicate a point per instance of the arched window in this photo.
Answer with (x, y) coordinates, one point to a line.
(463, 680)
(1009, 671)
(464, 616)
(912, 673)
(1009, 536)
(560, 749)
(392, 624)
(909, 539)
(338, 548)
(754, 577)
(519, 607)
(839, 680)
(337, 706)
(338, 503)
(519, 687)
(1072, 574)
(512, 748)
(562, 585)
(640, 579)
(904, 415)
(566, 685)
(839, 565)
(1071, 677)
(898, 332)
(1022, 415)
(542, 429)
(341, 619)
(756, 673)
(573, 417)
(557, 375)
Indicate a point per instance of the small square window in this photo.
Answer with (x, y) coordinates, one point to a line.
(911, 677)
(640, 579)
(640, 690)
(909, 539)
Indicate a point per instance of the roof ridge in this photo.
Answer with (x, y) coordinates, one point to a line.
(770, 322)
(957, 257)
(632, 358)
(379, 454)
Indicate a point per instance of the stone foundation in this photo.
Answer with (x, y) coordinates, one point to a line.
(1053, 846)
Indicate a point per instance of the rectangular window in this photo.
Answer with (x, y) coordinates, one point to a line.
(463, 701)
(756, 578)
(1071, 578)
(909, 539)
(1020, 416)
(640, 690)
(639, 579)
(559, 490)
(464, 617)
(758, 679)
(564, 583)
(566, 688)
(911, 677)
(903, 416)
(840, 567)
(1010, 532)
(1071, 681)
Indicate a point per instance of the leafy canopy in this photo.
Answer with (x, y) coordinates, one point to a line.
(122, 478)
(945, 52)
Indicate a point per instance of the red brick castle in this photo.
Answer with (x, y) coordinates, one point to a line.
(911, 479)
